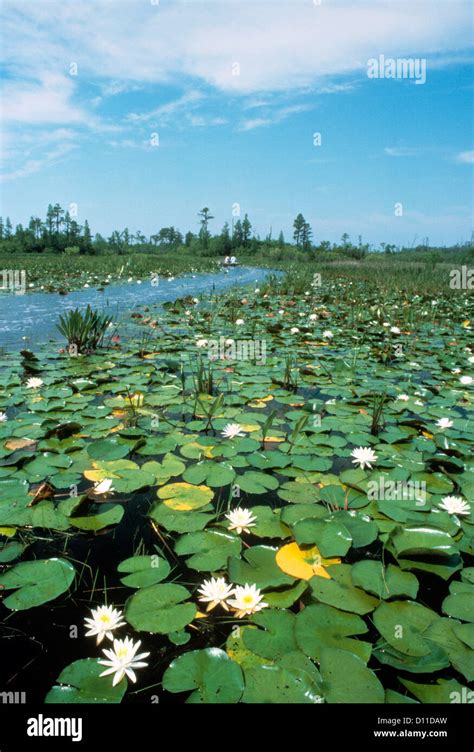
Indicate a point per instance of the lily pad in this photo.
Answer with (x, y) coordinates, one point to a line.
(36, 582)
(80, 682)
(159, 609)
(211, 674)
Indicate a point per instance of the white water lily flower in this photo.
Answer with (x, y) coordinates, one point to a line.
(444, 423)
(403, 397)
(328, 334)
(471, 359)
(466, 379)
(419, 403)
(241, 519)
(104, 620)
(313, 316)
(3, 417)
(395, 330)
(456, 370)
(34, 383)
(363, 456)
(247, 600)
(196, 300)
(103, 487)
(123, 659)
(281, 312)
(229, 341)
(294, 330)
(231, 430)
(201, 343)
(239, 322)
(215, 591)
(454, 505)
(257, 290)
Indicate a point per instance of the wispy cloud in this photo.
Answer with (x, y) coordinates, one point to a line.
(162, 114)
(465, 157)
(31, 166)
(403, 151)
(275, 116)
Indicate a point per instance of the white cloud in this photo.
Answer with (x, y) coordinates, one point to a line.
(274, 116)
(30, 166)
(165, 112)
(277, 44)
(44, 100)
(402, 151)
(466, 157)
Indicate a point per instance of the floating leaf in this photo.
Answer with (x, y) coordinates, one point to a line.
(144, 570)
(159, 608)
(341, 593)
(278, 636)
(184, 497)
(303, 562)
(36, 582)
(319, 626)
(259, 567)
(210, 549)
(336, 667)
(214, 677)
(80, 682)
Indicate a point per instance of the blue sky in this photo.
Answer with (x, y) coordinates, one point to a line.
(143, 112)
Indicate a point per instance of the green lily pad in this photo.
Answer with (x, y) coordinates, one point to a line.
(179, 522)
(159, 609)
(256, 483)
(215, 474)
(341, 593)
(382, 582)
(80, 682)
(460, 603)
(210, 549)
(443, 692)
(403, 623)
(144, 570)
(108, 449)
(211, 674)
(275, 684)
(330, 536)
(109, 514)
(36, 582)
(278, 636)
(363, 686)
(319, 626)
(258, 567)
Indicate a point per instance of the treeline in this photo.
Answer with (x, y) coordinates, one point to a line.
(60, 233)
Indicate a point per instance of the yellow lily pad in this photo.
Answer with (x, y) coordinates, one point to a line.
(184, 497)
(303, 562)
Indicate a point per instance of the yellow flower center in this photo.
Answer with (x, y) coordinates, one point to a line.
(105, 618)
(248, 600)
